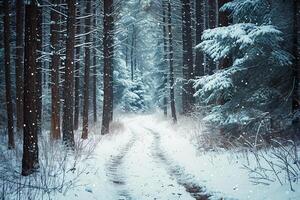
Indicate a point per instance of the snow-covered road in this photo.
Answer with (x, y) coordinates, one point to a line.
(146, 160)
(142, 171)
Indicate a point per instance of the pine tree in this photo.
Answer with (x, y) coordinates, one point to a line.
(296, 96)
(77, 74)
(38, 82)
(188, 72)
(224, 20)
(95, 65)
(67, 124)
(108, 65)
(55, 63)
(170, 34)
(165, 39)
(199, 60)
(87, 60)
(9, 104)
(19, 62)
(30, 160)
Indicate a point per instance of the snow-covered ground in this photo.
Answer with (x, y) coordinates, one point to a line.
(149, 158)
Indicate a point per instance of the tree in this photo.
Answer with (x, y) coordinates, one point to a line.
(19, 62)
(199, 60)
(188, 72)
(67, 124)
(296, 96)
(165, 75)
(224, 20)
(55, 63)
(77, 74)
(248, 92)
(30, 141)
(171, 75)
(38, 82)
(108, 22)
(9, 104)
(95, 68)
(87, 60)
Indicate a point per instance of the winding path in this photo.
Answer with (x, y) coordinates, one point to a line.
(142, 170)
(114, 172)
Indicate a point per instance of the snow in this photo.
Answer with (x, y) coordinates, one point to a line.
(138, 173)
(220, 172)
(148, 157)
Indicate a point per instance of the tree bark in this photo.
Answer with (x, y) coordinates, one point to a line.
(165, 75)
(296, 95)
(224, 20)
(199, 60)
(171, 75)
(188, 72)
(55, 62)
(132, 53)
(38, 82)
(67, 125)
(30, 141)
(95, 69)
(9, 104)
(87, 60)
(19, 62)
(108, 66)
(77, 74)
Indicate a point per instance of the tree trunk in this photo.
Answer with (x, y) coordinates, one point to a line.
(30, 141)
(9, 104)
(212, 23)
(199, 60)
(19, 62)
(132, 53)
(188, 72)
(296, 95)
(67, 125)
(224, 20)
(87, 60)
(77, 74)
(172, 93)
(108, 66)
(165, 75)
(39, 73)
(95, 69)
(55, 61)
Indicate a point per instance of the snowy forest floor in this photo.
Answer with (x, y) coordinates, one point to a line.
(147, 157)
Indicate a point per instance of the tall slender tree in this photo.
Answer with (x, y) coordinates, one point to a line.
(132, 52)
(30, 160)
(9, 104)
(67, 124)
(199, 60)
(224, 20)
(296, 96)
(19, 62)
(55, 63)
(108, 48)
(95, 66)
(188, 71)
(39, 73)
(77, 73)
(87, 60)
(171, 74)
(165, 74)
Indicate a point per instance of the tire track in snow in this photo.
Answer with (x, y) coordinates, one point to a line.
(182, 178)
(114, 168)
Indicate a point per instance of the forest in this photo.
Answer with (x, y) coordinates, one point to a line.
(150, 99)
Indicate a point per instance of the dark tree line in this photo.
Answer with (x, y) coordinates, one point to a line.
(65, 53)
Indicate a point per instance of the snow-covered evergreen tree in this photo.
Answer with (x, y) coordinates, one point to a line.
(256, 87)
